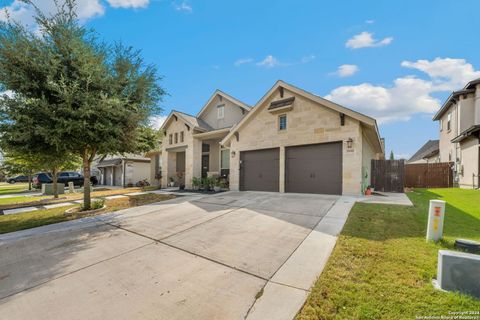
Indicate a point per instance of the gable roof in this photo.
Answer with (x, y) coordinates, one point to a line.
(429, 149)
(368, 121)
(470, 87)
(194, 122)
(226, 96)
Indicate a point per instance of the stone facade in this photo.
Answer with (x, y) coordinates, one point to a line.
(307, 123)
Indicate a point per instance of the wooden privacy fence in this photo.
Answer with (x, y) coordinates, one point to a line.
(388, 175)
(429, 175)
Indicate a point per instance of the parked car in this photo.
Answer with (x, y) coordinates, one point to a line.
(63, 177)
(17, 179)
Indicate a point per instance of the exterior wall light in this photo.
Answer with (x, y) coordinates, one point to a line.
(350, 143)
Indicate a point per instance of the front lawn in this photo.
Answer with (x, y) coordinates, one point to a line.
(381, 267)
(7, 188)
(21, 221)
(7, 203)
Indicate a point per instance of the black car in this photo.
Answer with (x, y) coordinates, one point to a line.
(63, 177)
(17, 179)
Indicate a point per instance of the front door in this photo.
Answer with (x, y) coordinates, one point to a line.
(205, 167)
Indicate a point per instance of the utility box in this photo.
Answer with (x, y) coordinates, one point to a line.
(458, 271)
(71, 187)
(436, 215)
(47, 188)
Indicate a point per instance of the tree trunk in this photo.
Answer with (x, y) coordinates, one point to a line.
(55, 184)
(29, 180)
(86, 181)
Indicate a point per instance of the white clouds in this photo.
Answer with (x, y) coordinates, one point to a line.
(239, 62)
(447, 74)
(370, 21)
(269, 62)
(346, 70)
(183, 6)
(157, 121)
(128, 3)
(307, 59)
(407, 95)
(23, 13)
(365, 39)
(86, 9)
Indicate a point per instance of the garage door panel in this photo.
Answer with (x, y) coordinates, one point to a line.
(259, 170)
(314, 168)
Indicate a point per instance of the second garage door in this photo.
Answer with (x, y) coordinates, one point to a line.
(314, 168)
(259, 170)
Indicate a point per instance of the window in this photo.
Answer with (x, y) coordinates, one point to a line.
(170, 137)
(205, 147)
(176, 137)
(220, 112)
(181, 136)
(157, 164)
(225, 159)
(282, 122)
(224, 162)
(449, 118)
(441, 124)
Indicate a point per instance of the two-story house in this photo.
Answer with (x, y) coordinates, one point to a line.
(290, 141)
(459, 123)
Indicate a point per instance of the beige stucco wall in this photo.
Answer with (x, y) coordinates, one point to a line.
(469, 149)
(232, 113)
(307, 123)
(466, 112)
(446, 147)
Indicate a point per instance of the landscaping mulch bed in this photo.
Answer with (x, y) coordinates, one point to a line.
(200, 191)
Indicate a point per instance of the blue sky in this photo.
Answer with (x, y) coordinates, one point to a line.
(394, 60)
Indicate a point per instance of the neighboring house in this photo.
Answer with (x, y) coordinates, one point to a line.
(290, 141)
(123, 170)
(428, 153)
(459, 122)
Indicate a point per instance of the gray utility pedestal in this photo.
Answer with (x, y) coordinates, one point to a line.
(47, 188)
(458, 271)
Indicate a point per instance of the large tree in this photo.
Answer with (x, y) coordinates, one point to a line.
(79, 94)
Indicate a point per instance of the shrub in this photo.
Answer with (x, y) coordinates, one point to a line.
(97, 204)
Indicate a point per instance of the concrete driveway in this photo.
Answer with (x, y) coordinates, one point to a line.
(234, 255)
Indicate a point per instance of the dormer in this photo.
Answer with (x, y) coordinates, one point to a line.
(223, 111)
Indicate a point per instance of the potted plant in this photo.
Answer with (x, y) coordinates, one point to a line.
(172, 182)
(196, 183)
(217, 185)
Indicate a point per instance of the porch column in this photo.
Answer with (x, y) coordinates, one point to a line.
(193, 162)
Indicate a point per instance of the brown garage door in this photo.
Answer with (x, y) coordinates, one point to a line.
(259, 170)
(314, 168)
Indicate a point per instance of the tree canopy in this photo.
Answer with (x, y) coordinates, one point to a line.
(73, 93)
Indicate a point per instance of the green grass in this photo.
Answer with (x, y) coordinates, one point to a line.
(7, 188)
(27, 220)
(22, 200)
(381, 267)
